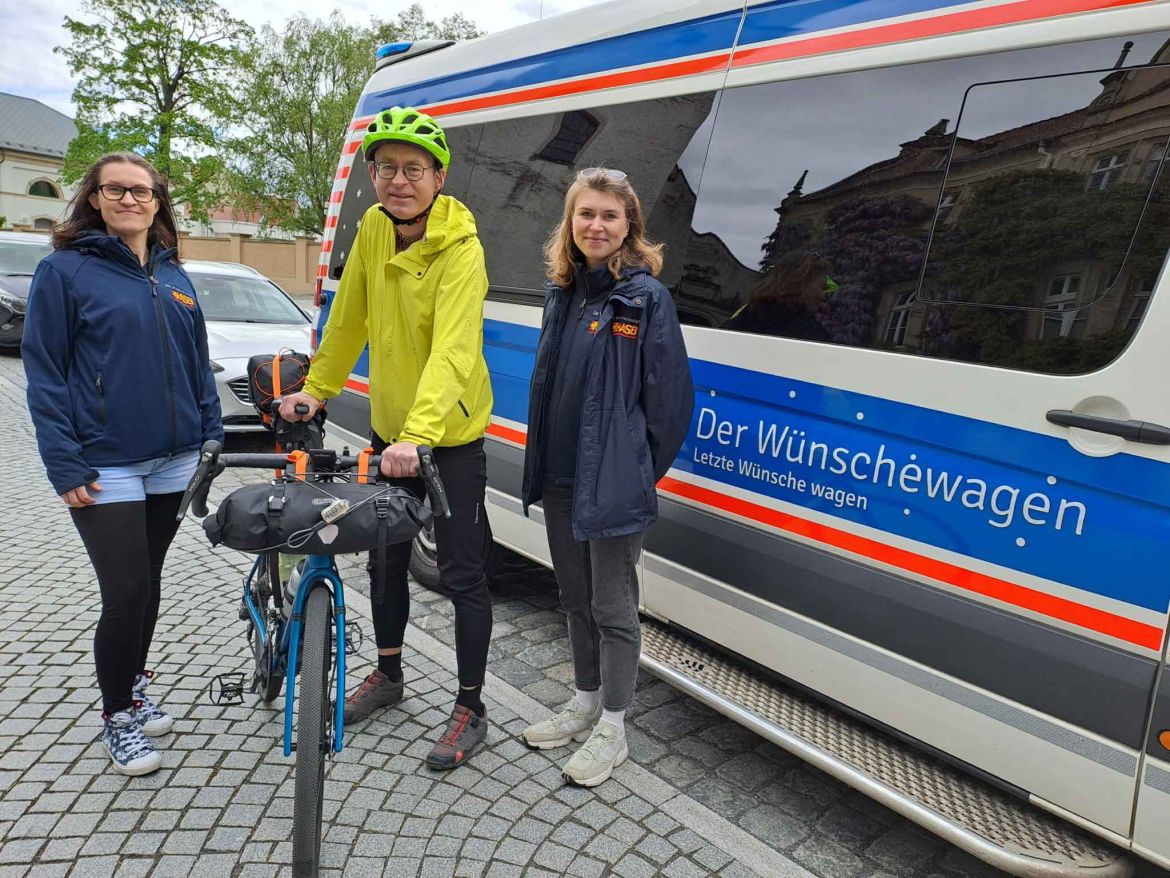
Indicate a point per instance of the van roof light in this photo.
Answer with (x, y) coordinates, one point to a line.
(385, 51)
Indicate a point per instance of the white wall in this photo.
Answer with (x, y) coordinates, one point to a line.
(18, 171)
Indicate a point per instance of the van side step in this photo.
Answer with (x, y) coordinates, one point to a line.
(984, 821)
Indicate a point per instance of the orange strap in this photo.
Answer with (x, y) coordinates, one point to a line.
(300, 462)
(276, 376)
(363, 467)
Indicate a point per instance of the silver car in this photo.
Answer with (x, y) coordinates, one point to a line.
(246, 314)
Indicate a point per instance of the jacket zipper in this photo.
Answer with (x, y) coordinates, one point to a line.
(166, 346)
(101, 389)
(463, 408)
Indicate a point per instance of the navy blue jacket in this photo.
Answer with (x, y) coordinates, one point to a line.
(636, 409)
(115, 354)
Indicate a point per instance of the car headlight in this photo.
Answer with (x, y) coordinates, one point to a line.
(215, 367)
(12, 303)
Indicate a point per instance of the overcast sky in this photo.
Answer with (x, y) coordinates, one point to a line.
(29, 29)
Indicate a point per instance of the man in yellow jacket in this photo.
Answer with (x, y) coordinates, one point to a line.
(413, 289)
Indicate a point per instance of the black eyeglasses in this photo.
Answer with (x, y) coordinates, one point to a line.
(114, 192)
(412, 172)
(612, 173)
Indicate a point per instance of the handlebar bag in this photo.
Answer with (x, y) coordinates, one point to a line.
(285, 516)
(275, 375)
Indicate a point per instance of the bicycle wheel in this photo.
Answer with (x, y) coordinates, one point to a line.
(267, 674)
(312, 738)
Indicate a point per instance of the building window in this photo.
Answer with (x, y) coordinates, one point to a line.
(43, 225)
(577, 126)
(1107, 170)
(1141, 301)
(1153, 162)
(947, 204)
(1061, 319)
(44, 189)
(899, 318)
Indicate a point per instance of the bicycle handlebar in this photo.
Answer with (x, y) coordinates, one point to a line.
(212, 463)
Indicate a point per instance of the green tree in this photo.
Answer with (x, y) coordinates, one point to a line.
(300, 88)
(412, 24)
(154, 77)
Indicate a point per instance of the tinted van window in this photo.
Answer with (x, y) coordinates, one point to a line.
(819, 197)
(524, 166)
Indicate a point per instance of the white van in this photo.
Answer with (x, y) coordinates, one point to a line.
(937, 496)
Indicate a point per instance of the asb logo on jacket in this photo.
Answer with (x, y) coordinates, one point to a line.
(182, 298)
(625, 329)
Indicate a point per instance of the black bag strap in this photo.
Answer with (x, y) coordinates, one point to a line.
(275, 507)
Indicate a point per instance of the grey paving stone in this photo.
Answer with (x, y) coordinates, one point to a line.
(825, 857)
(633, 866)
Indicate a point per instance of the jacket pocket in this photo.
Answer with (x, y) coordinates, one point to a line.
(463, 408)
(100, 385)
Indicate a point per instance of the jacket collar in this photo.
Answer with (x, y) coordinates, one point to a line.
(113, 247)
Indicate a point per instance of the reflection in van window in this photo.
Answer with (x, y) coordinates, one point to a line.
(1051, 183)
(524, 166)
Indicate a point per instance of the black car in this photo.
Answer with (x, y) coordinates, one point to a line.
(19, 254)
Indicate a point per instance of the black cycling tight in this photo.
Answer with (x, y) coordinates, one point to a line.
(127, 543)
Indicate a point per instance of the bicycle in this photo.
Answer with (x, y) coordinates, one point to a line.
(300, 636)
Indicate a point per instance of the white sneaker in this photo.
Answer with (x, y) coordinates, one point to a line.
(571, 724)
(129, 749)
(593, 764)
(153, 719)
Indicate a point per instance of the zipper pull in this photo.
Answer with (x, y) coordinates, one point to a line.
(581, 313)
(101, 388)
(153, 286)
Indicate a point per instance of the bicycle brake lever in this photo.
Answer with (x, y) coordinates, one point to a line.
(430, 475)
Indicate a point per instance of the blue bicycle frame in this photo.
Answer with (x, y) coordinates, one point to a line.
(319, 571)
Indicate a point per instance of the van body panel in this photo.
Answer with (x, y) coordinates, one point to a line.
(899, 528)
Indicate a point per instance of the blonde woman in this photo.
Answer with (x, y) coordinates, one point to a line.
(610, 403)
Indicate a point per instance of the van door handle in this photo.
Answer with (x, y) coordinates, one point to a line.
(1134, 431)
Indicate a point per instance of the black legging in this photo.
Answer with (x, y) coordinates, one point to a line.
(127, 543)
(463, 542)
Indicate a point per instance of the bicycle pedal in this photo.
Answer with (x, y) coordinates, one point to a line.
(353, 637)
(227, 688)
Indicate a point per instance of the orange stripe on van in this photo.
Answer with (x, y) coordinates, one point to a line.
(939, 25)
(593, 83)
(517, 436)
(1091, 618)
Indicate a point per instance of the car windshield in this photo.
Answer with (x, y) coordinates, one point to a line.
(244, 300)
(21, 257)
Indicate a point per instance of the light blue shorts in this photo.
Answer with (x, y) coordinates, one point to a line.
(163, 475)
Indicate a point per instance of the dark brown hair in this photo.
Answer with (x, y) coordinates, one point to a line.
(83, 216)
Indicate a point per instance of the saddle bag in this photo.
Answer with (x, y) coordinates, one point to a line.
(285, 516)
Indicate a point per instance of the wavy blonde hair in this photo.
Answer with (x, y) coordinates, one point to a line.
(561, 253)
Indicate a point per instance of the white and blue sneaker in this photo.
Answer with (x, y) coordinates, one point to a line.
(153, 720)
(129, 749)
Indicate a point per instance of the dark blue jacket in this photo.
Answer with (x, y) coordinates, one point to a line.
(115, 354)
(635, 412)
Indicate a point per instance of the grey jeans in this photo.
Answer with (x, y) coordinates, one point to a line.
(598, 581)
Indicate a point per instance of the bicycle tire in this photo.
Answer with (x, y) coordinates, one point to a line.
(267, 673)
(312, 725)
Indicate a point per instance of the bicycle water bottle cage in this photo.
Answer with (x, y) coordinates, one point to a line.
(227, 688)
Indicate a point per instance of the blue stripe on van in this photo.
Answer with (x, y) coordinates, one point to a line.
(794, 18)
(667, 43)
(1124, 542)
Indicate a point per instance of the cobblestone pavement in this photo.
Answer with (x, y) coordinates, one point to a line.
(699, 796)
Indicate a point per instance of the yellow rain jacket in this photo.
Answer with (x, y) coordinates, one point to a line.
(421, 311)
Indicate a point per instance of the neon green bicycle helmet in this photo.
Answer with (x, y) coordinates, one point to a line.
(407, 125)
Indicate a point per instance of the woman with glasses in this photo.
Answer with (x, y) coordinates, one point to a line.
(610, 403)
(122, 396)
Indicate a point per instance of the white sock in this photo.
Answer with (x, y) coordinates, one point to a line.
(588, 701)
(616, 718)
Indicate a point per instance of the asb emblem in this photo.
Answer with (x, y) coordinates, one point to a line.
(182, 298)
(625, 329)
